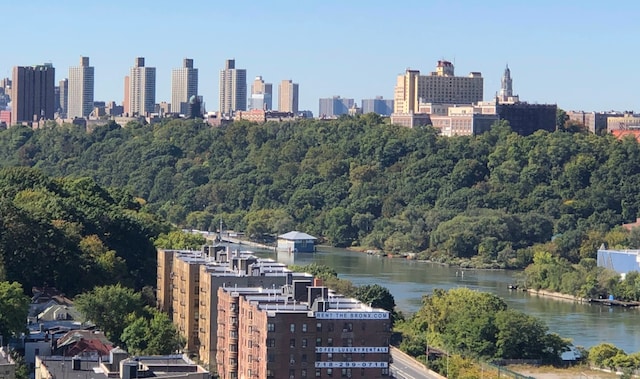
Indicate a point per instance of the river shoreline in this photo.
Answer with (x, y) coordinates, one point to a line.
(557, 295)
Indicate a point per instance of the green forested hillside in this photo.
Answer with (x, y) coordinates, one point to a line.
(72, 234)
(358, 181)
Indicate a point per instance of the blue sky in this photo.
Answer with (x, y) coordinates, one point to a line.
(578, 54)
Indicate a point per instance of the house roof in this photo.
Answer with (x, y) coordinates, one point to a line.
(295, 235)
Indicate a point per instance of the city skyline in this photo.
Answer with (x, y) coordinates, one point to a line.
(550, 48)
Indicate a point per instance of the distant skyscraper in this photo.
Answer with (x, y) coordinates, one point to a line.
(378, 105)
(62, 106)
(81, 79)
(233, 88)
(335, 106)
(142, 88)
(261, 95)
(33, 93)
(184, 85)
(288, 96)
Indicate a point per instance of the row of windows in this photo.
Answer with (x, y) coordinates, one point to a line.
(344, 373)
(346, 327)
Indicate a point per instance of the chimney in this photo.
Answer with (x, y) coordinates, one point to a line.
(317, 282)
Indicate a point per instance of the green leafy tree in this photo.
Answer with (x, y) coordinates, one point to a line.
(14, 307)
(152, 334)
(109, 307)
(179, 240)
(520, 336)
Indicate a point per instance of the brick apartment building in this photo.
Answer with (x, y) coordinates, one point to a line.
(299, 331)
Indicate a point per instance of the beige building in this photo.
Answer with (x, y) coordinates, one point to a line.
(80, 86)
(624, 122)
(441, 86)
(288, 96)
(184, 85)
(7, 365)
(141, 88)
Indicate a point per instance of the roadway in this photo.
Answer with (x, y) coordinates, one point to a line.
(405, 367)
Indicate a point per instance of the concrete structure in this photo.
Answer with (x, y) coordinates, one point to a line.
(626, 121)
(288, 96)
(188, 282)
(411, 120)
(261, 95)
(620, 261)
(441, 86)
(299, 331)
(184, 85)
(297, 242)
(233, 88)
(141, 89)
(378, 105)
(81, 88)
(33, 93)
(334, 106)
(118, 365)
(7, 365)
(595, 122)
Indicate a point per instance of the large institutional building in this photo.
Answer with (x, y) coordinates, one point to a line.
(140, 89)
(233, 88)
(439, 87)
(80, 95)
(254, 318)
(288, 96)
(334, 106)
(184, 85)
(32, 93)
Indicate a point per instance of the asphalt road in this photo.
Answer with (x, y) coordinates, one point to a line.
(405, 367)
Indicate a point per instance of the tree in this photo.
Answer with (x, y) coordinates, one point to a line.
(152, 334)
(14, 308)
(601, 355)
(179, 240)
(520, 336)
(376, 296)
(108, 307)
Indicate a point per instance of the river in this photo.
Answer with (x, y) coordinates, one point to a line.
(408, 281)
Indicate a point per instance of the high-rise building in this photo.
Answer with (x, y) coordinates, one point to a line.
(233, 88)
(288, 96)
(378, 105)
(33, 93)
(261, 95)
(184, 85)
(142, 89)
(81, 83)
(334, 106)
(441, 86)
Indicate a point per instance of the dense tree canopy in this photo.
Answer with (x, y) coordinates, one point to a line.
(352, 181)
(14, 307)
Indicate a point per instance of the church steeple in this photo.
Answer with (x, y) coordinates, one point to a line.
(506, 88)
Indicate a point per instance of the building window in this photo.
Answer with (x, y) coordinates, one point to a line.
(304, 358)
(362, 372)
(292, 342)
(330, 371)
(303, 373)
(292, 327)
(304, 342)
(292, 359)
(348, 327)
(318, 341)
(319, 327)
(271, 358)
(292, 374)
(271, 342)
(329, 341)
(329, 356)
(317, 373)
(271, 327)
(385, 371)
(304, 327)
(330, 327)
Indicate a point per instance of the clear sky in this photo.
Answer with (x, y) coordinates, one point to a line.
(580, 54)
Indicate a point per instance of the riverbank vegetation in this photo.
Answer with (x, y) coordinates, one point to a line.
(480, 201)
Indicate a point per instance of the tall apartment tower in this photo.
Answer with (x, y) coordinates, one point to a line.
(142, 88)
(233, 88)
(288, 96)
(33, 93)
(63, 105)
(261, 95)
(184, 85)
(81, 81)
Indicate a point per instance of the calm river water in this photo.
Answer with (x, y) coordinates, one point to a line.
(408, 281)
